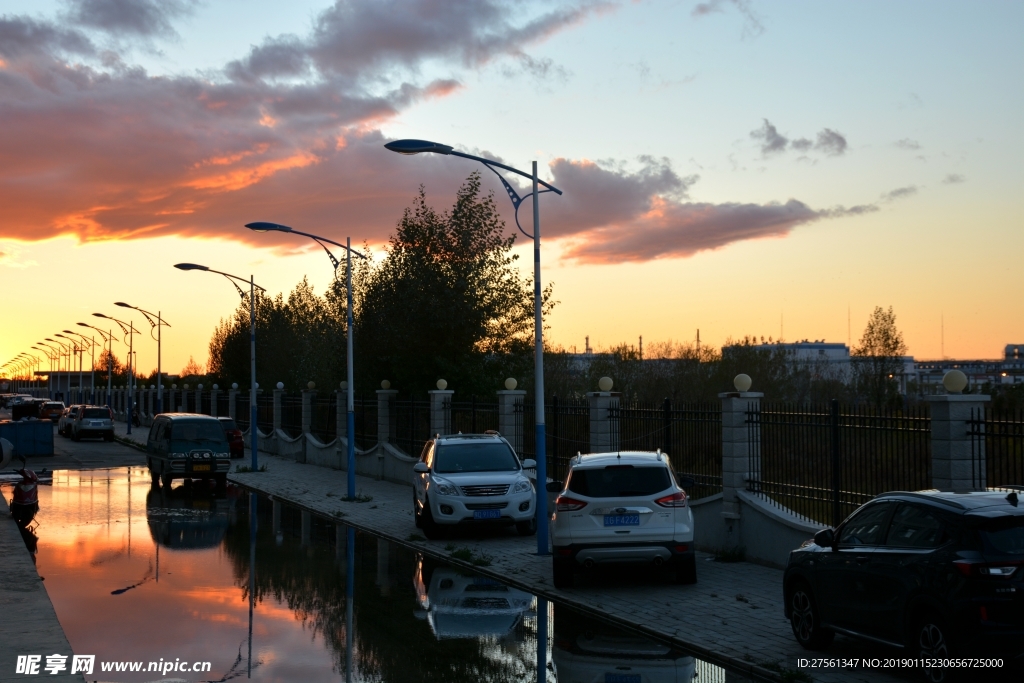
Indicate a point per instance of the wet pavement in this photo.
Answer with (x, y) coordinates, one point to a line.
(139, 573)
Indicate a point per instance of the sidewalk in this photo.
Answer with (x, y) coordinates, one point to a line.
(732, 617)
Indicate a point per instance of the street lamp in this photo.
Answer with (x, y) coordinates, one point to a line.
(252, 342)
(158, 323)
(108, 337)
(49, 357)
(77, 349)
(91, 345)
(64, 349)
(129, 331)
(350, 421)
(410, 147)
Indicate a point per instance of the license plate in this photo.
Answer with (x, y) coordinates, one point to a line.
(622, 520)
(621, 678)
(200, 468)
(486, 514)
(95, 424)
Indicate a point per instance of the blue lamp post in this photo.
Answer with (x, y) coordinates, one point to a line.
(350, 421)
(410, 147)
(253, 432)
(159, 323)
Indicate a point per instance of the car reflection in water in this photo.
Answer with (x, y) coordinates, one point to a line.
(465, 605)
(587, 650)
(190, 517)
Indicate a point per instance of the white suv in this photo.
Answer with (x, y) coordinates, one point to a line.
(621, 507)
(467, 479)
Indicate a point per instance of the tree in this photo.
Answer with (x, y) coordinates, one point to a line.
(192, 370)
(878, 359)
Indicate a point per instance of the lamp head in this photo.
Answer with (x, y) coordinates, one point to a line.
(180, 266)
(262, 226)
(53, 340)
(83, 325)
(68, 331)
(100, 315)
(410, 147)
(122, 304)
(60, 335)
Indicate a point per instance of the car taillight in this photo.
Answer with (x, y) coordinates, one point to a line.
(976, 569)
(567, 504)
(676, 500)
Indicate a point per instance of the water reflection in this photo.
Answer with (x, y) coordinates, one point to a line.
(269, 592)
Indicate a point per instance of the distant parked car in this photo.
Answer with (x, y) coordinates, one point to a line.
(621, 507)
(187, 446)
(940, 574)
(51, 410)
(93, 421)
(468, 479)
(234, 435)
(69, 415)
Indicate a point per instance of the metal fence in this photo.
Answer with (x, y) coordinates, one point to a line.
(242, 410)
(1002, 434)
(410, 424)
(471, 417)
(366, 421)
(265, 412)
(223, 404)
(567, 429)
(689, 433)
(291, 414)
(323, 422)
(823, 461)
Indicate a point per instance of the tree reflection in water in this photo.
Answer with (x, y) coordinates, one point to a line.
(393, 643)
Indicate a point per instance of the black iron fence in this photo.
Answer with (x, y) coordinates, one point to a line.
(242, 411)
(823, 461)
(265, 412)
(410, 424)
(291, 414)
(471, 417)
(567, 430)
(689, 433)
(365, 408)
(1002, 435)
(323, 423)
(223, 404)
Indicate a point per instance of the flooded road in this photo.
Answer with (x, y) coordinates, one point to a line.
(139, 573)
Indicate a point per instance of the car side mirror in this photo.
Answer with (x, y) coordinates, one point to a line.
(420, 468)
(529, 464)
(554, 486)
(826, 538)
(686, 482)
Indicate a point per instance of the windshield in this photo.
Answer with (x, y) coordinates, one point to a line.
(227, 424)
(96, 413)
(617, 481)
(475, 457)
(205, 432)
(1004, 535)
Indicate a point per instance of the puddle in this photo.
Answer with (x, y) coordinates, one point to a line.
(137, 573)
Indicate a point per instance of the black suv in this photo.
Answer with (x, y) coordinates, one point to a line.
(187, 446)
(938, 573)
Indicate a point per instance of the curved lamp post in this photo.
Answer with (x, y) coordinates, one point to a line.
(350, 418)
(108, 338)
(409, 147)
(76, 349)
(129, 331)
(254, 433)
(49, 357)
(64, 350)
(158, 324)
(91, 345)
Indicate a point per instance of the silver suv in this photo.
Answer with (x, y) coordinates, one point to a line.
(621, 507)
(468, 479)
(92, 421)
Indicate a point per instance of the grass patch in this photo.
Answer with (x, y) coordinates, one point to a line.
(786, 674)
(415, 537)
(358, 498)
(242, 469)
(738, 554)
(467, 555)
(338, 514)
(450, 547)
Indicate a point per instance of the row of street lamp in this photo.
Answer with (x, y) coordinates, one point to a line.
(407, 147)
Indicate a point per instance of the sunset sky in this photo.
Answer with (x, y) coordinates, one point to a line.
(735, 166)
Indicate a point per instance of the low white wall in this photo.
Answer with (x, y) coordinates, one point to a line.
(289, 447)
(323, 454)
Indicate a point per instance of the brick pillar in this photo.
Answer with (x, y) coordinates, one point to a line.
(953, 468)
(341, 414)
(307, 409)
(278, 393)
(509, 425)
(385, 400)
(232, 401)
(604, 436)
(199, 398)
(440, 412)
(738, 463)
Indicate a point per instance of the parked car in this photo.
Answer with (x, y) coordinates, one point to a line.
(187, 446)
(472, 479)
(51, 410)
(461, 604)
(69, 415)
(234, 434)
(93, 421)
(940, 574)
(621, 507)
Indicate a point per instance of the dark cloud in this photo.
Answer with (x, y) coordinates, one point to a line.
(900, 193)
(952, 179)
(137, 18)
(802, 144)
(22, 37)
(771, 141)
(830, 142)
(752, 25)
(908, 144)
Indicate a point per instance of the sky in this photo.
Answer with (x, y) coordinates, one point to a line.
(729, 166)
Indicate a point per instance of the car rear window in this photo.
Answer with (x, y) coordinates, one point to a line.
(197, 430)
(227, 424)
(96, 413)
(54, 405)
(475, 457)
(617, 481)
(1003, 536)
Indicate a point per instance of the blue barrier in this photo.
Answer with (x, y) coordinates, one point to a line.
(30, 437)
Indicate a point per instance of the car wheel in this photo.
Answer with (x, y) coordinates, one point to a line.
(431, 529)
(222, 481)
(806, 619)
(166, 480)
(562, 572)
(686, 570)
(527, 528)
(108, 437)
(154, 477)
(931, 641)
(416, 512)
(75, 436)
